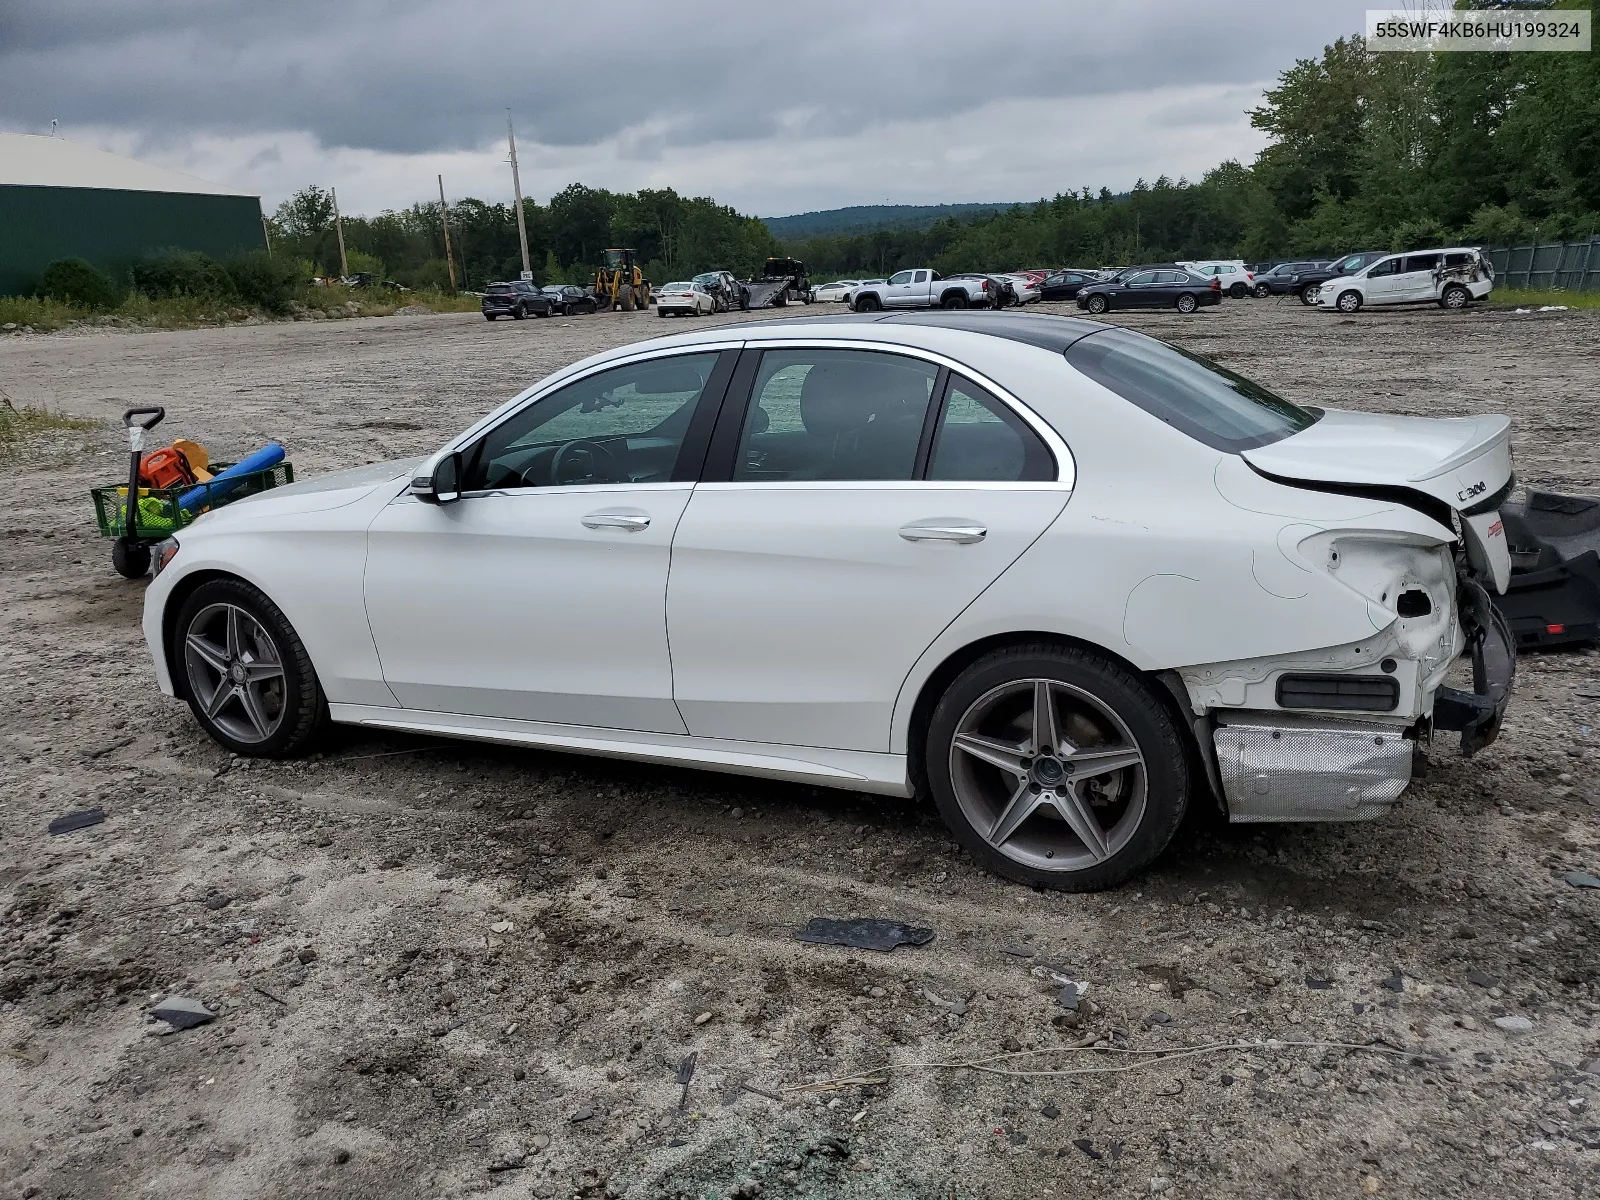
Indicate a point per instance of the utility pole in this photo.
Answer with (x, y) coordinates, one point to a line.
(338, 227)
(516, 187)
(444, 219)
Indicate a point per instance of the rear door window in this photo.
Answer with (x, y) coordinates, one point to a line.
(823, 414)
(1421, 262)
(1191, 393)
(979, 439)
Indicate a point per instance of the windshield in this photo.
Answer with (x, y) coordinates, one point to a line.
(1192, 394)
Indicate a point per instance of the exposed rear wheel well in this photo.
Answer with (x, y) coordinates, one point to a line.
(1165, 685)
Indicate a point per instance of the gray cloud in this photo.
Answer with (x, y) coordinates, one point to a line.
(412, 77)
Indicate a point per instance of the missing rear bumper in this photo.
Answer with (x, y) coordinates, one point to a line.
(1283, 768)
(1479, 713)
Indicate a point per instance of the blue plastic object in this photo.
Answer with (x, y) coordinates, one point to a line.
(217, 489)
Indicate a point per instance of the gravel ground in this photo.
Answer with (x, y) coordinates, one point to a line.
(443, 969)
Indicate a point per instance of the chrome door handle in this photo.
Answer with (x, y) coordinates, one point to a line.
(943, 531)
(617, 520)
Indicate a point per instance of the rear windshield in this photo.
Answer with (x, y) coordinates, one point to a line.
(1192, 394)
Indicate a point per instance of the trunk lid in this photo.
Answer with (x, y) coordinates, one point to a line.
(1461, 462)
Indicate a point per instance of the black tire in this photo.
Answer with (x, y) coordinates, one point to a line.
(1097, 304)
(662, 313)
(1238, 291)
(519, 313)
(1187, 303)
(1455, 298)
(781, 299)
(1262, 291)
(953, 300)
(489, 316)
(868, 303)
(304, 708)
(1308, 294)
(1348, 302)
(1142, 826)
(131, 559)
(744, 300)
(593, 308)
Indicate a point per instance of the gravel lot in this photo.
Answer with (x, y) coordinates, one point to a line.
(443, 969)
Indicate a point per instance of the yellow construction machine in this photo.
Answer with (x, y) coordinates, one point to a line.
(619, 284)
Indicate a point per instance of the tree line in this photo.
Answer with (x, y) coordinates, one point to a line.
(674, 236)
(1366, 151)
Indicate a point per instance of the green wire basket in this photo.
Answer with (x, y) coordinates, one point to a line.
(159, 512)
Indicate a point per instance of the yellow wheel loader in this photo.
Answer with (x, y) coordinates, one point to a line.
(619, 284)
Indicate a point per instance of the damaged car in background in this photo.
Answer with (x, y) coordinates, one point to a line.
(1061, 577)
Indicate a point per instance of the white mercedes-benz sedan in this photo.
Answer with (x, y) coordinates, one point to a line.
(1062, 577)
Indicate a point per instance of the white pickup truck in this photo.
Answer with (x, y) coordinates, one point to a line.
(920, 288)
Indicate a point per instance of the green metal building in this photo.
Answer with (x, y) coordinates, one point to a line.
(61, 199)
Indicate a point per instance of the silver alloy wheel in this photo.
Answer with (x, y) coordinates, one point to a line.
(1349, 302)
(1048, 774)
(235, 672)
(1456, 297)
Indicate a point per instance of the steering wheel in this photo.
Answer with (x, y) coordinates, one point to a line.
(603, 465)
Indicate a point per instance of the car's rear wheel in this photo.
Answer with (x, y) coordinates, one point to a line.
(1308, 294)
(1262, 291)
(953, 300)
(1187, 303)
(1057, 766)
(1455, 297)
(1348, 302)
(245, 672)
(1097, 304)
(1238, 291)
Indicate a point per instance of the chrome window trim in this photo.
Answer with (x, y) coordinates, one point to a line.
(1066, 466)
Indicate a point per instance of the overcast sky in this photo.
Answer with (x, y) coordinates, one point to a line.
(775, 107)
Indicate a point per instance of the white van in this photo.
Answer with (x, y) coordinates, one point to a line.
(1451, 277)
(1232, 274)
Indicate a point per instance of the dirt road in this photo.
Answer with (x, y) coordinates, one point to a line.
(445, 969)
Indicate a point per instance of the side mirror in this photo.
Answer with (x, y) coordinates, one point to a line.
(444, 485)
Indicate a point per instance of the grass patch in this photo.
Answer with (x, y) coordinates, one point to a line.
(18, 425)
(1523, 298)
(196, 312)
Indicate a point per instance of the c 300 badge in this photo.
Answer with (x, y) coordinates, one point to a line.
(1476, 489)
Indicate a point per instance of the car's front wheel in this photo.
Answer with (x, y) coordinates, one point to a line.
(1097, 304)
(245, 672)
(1056, 766)
(1348, 302)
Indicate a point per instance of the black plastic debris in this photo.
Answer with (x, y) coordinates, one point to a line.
(1581, 879)
(76, 820)
(1050, 1111)
(182, 1013)
(1318, 983)
(1395, 982)
(683, 1076)
(1067, 997)
(863, 933)
(1087, 1147)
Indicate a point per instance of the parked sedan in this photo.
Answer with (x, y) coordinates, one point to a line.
(1174, 288)
(1025, 285)
(839, 289)
(516, 300)
(1067, 578)
(1064, 285)
(685, 299)
(568, 298)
